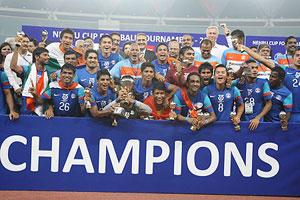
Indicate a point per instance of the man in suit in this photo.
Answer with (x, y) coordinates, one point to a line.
(146, 55)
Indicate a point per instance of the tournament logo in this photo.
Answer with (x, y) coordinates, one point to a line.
(220, 97)
(228, 95)
(257, 90)
(65, 97)
(103, 103)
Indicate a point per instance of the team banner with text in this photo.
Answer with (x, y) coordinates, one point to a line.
(87, 155)
(276, 43)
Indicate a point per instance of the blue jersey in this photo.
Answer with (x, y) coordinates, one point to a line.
(201, 100)
(256, 94)
(66, 102)
(4, 84)
(223, 100)
(108, 63)
(84, 78)
(292, 82)
(101, 100)
(162, 69)
(143, 92)
(282, 100)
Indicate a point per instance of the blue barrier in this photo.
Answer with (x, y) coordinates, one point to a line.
(82, 154)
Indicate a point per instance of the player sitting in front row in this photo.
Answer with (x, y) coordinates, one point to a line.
(191, 103)
(66, 98)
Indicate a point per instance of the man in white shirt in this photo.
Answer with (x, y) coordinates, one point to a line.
(24, 59)
(212, 33)
(58, 49)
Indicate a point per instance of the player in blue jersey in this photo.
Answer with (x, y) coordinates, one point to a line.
(102, 95)
(69, 57)
(224, 100)
(190, 101)
(292, 82)
(206, 73)
(282, 99)
(6, 98)
(87, 75)
(161, 63)
(66, 98)
(256, 95)
(106, 58)
(143, 87)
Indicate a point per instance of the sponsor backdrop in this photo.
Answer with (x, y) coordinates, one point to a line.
(276, 43)
(82, 154)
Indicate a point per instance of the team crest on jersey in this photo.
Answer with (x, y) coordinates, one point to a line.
(65, 97)
(91, 81)
(297, 75)
(73, 96)
(106, 64)
(249, 91)
(113, 62)
(257, 90)
(228, 95)
(220, 97)
(103, 103)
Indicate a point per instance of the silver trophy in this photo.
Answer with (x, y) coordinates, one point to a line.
(118, 112)
(44, 35)
(172, 107)
(237, 127)
(283, 120)
(87, 92)
(200, 115)
(19, 37)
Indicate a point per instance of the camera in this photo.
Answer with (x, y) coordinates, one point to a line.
(44, 35)
(19, 37)
(223, 25)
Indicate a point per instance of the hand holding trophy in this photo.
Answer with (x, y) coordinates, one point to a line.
(283, 121)
(235, 121)
(87, 96)
(172, 112)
